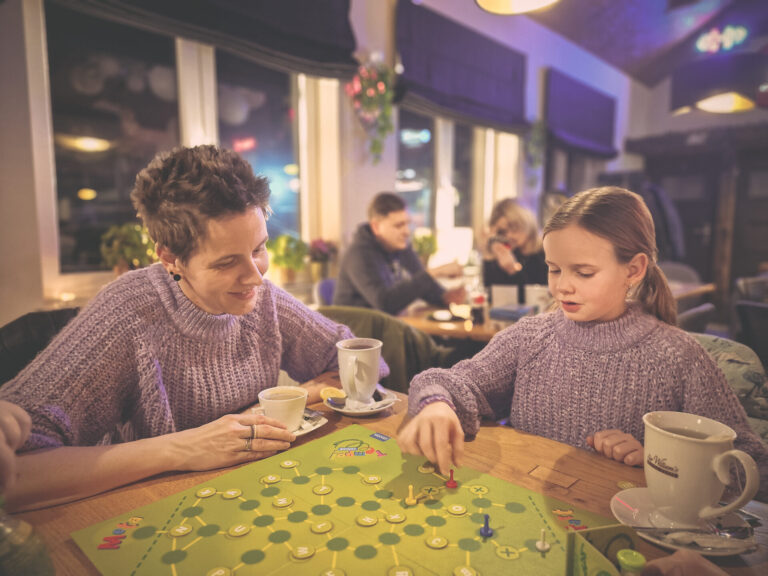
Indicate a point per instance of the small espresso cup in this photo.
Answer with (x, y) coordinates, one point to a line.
(359, 369)
(285, 404)
(687, 466)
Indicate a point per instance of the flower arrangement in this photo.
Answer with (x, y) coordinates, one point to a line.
(424, 245)
(371, 91)
(321, 250)
(288, 252)
(127, 247)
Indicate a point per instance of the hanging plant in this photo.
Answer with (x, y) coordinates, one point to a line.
(535, 147)
(371, 91)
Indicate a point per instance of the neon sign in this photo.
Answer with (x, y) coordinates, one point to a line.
(720, 41)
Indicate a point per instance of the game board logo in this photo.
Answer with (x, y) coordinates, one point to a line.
(353, 447)
(113, 541)
(660, 464)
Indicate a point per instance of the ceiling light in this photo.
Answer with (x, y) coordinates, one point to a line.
(83, 143)
(725, 103)
(86, 194)
(513, 6)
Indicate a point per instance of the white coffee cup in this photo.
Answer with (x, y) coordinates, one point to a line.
(285, 404)
(687, 466)
(359, 369)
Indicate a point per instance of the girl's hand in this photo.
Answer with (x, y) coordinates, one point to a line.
(617, 445)
(436, 433)
(15, 426)
(223, 442)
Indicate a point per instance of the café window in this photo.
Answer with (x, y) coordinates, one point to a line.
(257, 119)
(461, 175)
(416, 166)
(114, 105)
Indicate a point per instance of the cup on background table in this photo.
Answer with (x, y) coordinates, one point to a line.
(359, 369)
(285, 404)
(687, 466)
(537, 295)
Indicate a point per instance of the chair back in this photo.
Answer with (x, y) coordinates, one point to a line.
(322, 291)
(754, 326)
(754, 289)
(696, 319)
(22, 339)
(406, 350)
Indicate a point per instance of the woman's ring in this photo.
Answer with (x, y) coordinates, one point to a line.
(253, 431)
(247, 444)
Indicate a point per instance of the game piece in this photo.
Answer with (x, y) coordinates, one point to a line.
(322, 527)
(303, 552)
(322, 489)
(451, 483)
(396, 518)
(486, 531)
(400, 571)
(282, 501)
(541, 544)
(410, 500)
(367, 520)
(239, 530)
(426, 468)
(457, 509)
(231, 494)
(464, 571)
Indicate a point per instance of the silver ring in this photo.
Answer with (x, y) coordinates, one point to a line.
(253, 431)
(247, 444)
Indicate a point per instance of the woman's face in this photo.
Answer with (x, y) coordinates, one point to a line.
(514, 235)
(222, 275)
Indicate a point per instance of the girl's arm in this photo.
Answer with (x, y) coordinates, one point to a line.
(58, 475)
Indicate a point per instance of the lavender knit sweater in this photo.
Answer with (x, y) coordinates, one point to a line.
(566, 380)
(141, 353)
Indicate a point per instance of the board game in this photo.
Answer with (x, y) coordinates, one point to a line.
(347, 503)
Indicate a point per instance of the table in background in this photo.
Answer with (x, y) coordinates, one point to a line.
(581, 478)
(459, 329)
(683, 290)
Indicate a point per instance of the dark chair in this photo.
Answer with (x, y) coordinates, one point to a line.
(406, 350)
(22, 339)
(754, 289)
(754, 326)
(696, 319)
(323, 290)
(679, 272)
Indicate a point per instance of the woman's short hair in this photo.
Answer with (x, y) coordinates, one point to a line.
(519, 218)
(181, 190)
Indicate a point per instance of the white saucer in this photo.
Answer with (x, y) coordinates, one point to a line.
(388, 399)
(312, 420)
(725, 536)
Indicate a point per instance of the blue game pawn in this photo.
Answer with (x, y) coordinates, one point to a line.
(486, 531)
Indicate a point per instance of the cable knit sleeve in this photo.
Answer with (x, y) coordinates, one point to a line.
(309, 339)
(482, 386)
(707, 393)
(76, 388)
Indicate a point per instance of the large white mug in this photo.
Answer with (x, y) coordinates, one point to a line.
(359, 369)
(687, 466)
(285, 404)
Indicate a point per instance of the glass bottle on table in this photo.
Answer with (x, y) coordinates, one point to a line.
(22, 551)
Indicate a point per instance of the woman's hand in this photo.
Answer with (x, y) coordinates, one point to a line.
(617, 445)
(223, 442)
(505, 257)
(15, 426)
(436, 433)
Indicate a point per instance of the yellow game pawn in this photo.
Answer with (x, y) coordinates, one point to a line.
(410, 500)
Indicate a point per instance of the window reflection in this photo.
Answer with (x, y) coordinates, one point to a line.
(114, 102)
(257, 119)
(415, 165)
(461, 176)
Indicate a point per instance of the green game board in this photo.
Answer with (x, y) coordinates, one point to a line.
(336, 506)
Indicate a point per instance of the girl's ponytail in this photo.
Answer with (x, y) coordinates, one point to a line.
(654, 295)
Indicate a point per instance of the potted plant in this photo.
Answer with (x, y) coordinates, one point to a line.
(127, 247)
(321, 252)
(424, 244)
(288, 253)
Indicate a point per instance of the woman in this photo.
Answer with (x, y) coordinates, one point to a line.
(165, 358)
(513, 254)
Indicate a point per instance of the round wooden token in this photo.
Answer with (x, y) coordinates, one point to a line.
(400, 571)
(507, 552)
(239, 530)
(178, 531)
(289, 464)
(322, 527)
(206, 492)
(395, 518)
(322, 489)
(478, 490)
(282, 501)
(457, 509)
(426, 468)
(219, 571)
(437, 542)
(367, 520)
(231, 493)
(270, 479)
(372, 479)
(303, 552)
(464, 571)
(333, 572)
(430, 490)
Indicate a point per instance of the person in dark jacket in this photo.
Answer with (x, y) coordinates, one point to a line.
(380, 269)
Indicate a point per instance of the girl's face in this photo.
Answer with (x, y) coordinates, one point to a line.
(514, 234)
(222, 275)
(586, 278)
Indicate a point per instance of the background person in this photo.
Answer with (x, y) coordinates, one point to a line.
(380, 269)
(165, 358)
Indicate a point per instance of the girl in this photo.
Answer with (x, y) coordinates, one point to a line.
(513, 254)
(585, 373)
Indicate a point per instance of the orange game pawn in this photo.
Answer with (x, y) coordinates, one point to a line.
(451, 483)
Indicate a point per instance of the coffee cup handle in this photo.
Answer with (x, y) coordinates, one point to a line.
(352, 373)
(722, 467)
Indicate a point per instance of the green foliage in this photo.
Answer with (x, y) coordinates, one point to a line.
(425, 245)
(371, 91)
(288, 252)
(127, 245)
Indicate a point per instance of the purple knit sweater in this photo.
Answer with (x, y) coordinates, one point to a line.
(142, 354)
(566, 380)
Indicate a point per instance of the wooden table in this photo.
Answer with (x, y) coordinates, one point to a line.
(683, 290)
(584, 479)
(460, 329)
